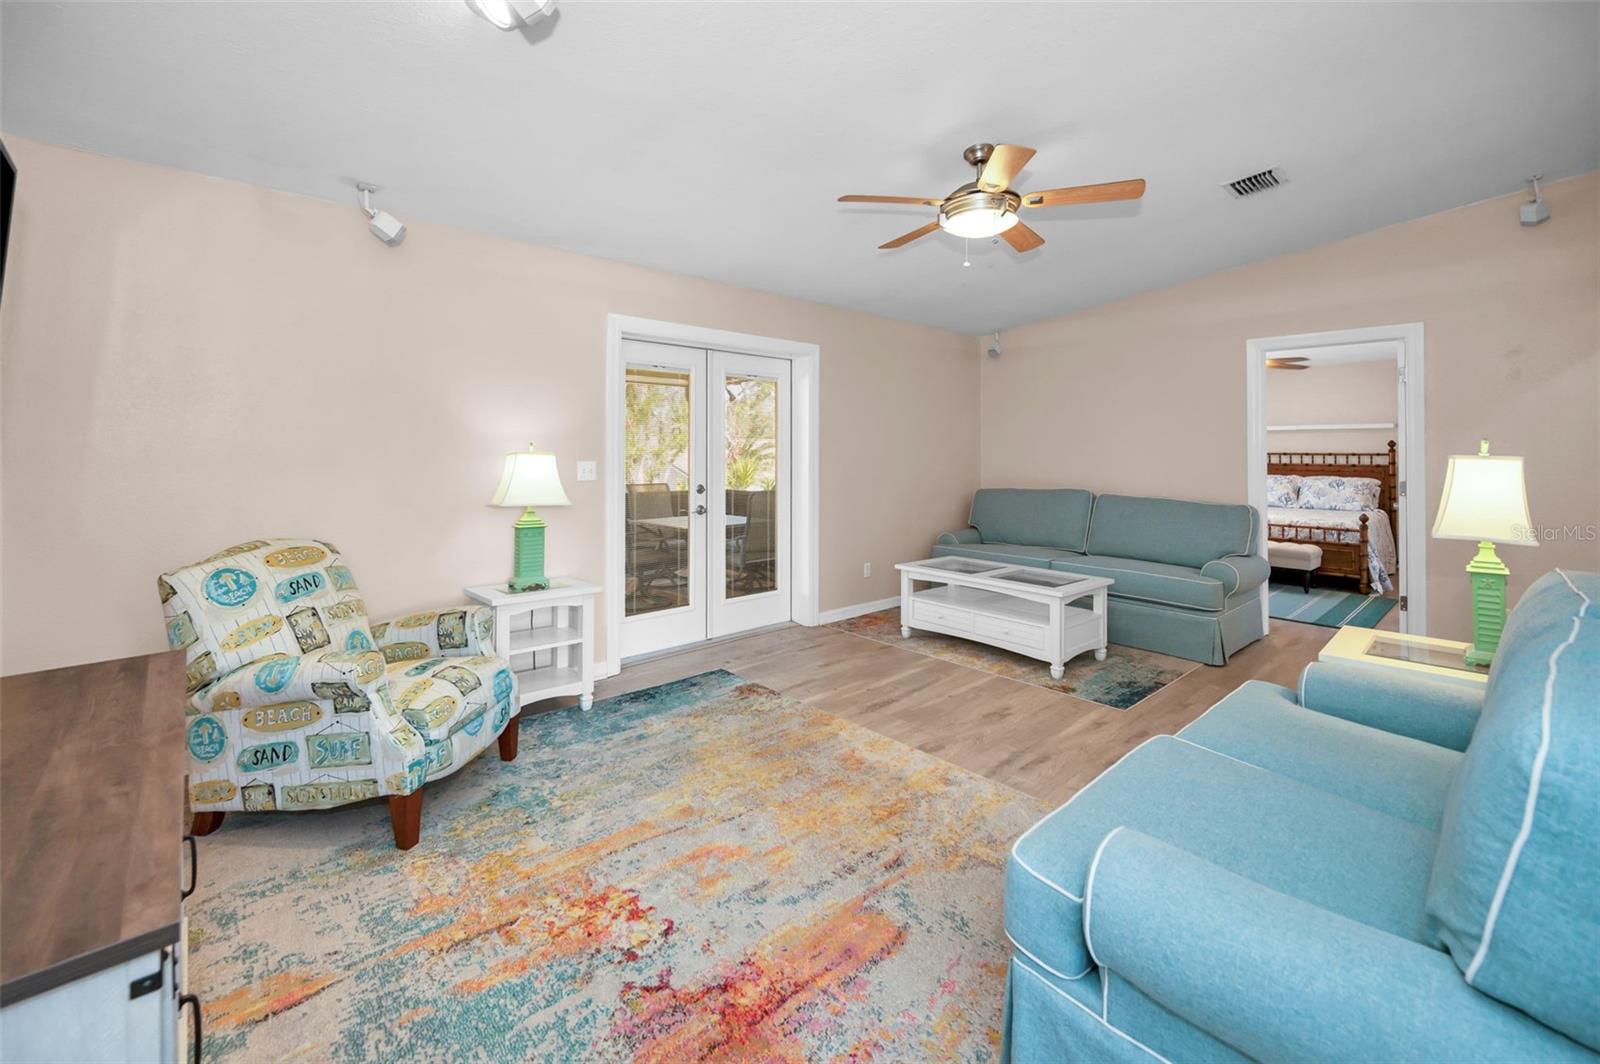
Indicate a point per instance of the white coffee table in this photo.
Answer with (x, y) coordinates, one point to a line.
(1020, 608)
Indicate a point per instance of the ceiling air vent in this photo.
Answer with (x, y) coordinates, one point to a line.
(1249, 186)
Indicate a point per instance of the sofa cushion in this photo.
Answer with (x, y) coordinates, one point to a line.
(1167, 585)
(1008, 553)
(1513, 890)
(1263, 724)
(1048, 517)
(1283, 834)
(1170, 530)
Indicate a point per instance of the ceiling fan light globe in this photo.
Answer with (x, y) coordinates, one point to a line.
(978, 215)
(978, 223)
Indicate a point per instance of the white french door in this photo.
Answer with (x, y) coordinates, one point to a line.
(706, 476)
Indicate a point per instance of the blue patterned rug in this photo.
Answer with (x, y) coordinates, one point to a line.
(701, 870)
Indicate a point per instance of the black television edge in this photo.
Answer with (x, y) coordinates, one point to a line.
(8, 189)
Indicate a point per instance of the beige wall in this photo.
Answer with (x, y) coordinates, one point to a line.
(190, 362)
(1338, 393)
(1147, 395)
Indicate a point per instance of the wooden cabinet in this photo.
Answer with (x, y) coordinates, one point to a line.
(93, 863)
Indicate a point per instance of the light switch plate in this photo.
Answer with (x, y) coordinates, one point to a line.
(588, 471)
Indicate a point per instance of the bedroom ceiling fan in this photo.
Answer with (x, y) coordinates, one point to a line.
(1289, 362)
(987, 205)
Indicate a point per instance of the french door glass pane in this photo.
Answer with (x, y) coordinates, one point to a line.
(656, 427)
(751, 482)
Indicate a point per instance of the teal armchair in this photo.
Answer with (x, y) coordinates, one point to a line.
(1382, 867)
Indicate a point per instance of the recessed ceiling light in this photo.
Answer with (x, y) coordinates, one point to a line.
(510, 14)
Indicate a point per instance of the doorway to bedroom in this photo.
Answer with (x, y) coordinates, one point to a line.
(1335, 436)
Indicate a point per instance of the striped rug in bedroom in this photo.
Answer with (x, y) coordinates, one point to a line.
(1329, 608)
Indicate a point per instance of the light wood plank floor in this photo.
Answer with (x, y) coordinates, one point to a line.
(1039, 741)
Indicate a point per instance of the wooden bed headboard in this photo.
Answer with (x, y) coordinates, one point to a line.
(1380, 465)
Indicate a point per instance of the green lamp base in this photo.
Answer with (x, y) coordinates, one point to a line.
(528, 556)
(1488, 603)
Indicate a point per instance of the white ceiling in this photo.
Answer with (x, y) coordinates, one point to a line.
(712, 139)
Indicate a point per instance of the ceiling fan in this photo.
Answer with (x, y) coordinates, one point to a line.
(1289, 362)
(987, 206)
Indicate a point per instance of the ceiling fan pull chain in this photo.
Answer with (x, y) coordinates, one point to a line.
(966, 251)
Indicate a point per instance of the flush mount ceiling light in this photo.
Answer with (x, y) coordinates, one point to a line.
(512, 14)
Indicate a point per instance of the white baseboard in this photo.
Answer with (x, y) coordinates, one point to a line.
(844, 613)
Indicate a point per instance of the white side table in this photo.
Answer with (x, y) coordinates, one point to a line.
(548, 636)
(1443, 658)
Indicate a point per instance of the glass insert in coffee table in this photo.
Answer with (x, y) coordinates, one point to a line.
(953, 564)
(1038, 577)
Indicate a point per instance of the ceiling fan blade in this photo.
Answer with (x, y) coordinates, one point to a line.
(901, 241)
(1022, 238)
(891, 199)
(1002, 166)
(1106, 193)
(1283, 363)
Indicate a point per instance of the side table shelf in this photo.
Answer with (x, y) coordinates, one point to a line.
(548, 636)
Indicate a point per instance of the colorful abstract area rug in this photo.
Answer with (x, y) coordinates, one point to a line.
(1326, 607)
(1127, 677)
(698, 871)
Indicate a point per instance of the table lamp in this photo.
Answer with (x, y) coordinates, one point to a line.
(529, 479)
(1485, 499)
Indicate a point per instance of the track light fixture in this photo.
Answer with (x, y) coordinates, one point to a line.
(1535, 210)
(512, 14)
(385, 226)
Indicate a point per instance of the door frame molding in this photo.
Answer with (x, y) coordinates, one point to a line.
(805, 361)
(1412, 439)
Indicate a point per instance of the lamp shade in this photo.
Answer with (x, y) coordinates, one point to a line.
(1485, 499)
(530, 479)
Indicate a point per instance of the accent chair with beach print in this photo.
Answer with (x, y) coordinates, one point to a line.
(294, 701)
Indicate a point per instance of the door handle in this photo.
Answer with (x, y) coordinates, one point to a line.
(194, 868)
(699, 510)
(191, 1001)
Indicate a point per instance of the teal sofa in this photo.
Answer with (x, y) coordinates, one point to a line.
(1376, 867)
(1187, 578)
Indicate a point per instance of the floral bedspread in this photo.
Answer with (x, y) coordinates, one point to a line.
(1383, 559)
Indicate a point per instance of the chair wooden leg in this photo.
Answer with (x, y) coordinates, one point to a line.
(405, 813)
(508, 740)
(206, 823)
